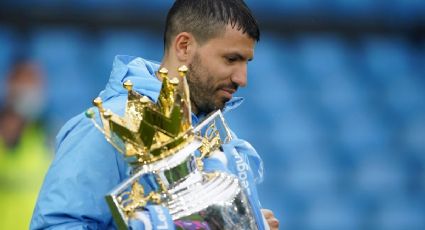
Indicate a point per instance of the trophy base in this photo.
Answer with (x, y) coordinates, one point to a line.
(214, 201)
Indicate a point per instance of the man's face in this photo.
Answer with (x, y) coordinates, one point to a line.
(218, 68)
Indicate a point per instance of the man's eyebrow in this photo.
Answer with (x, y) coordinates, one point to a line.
(241, 57)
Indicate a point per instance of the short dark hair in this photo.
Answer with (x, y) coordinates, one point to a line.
(206, 19)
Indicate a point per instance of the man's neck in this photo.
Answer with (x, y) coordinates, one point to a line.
(171, 66)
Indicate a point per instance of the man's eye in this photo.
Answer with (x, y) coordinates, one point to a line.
(231, 59)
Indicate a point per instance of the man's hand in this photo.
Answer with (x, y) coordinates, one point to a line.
(271, 220)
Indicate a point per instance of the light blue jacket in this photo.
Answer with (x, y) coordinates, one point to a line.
(86, 167)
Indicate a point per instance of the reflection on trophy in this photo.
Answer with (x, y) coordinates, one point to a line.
(159, 142)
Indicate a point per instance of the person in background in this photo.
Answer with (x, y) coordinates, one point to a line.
(24, 157)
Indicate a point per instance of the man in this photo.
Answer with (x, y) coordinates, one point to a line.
(215, 39)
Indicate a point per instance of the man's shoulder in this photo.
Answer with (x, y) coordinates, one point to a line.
(80, 125)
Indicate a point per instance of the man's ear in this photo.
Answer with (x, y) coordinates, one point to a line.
(184, 46)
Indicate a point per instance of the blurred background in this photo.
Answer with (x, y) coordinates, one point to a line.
(335, 102)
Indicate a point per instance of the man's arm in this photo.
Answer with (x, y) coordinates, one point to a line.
(84, 170)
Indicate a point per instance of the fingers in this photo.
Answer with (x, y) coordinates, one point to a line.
(273, 223)
(271, 220)
(267, 213)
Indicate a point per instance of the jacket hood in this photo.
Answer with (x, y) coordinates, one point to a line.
(139, 71)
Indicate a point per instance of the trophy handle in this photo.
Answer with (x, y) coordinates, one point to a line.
(212, 118)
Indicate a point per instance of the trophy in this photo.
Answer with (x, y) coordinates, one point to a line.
(162, 147)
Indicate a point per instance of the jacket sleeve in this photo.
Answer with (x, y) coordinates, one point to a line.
(85, 169)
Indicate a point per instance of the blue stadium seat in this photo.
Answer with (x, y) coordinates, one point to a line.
(380, 177)
(325, 72)
(268, 9)
(363, 130)
(296, 129)
(405, 95)
(399, 213)
(296, 6)
(322, 55)
(412, 136)
(333, 212)
(309, 178)
(409, 10)
(420, 59)
(346, 9)
(387, 58)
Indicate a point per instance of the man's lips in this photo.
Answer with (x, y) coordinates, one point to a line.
(228, 92)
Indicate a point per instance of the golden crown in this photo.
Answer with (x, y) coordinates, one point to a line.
(150, 131)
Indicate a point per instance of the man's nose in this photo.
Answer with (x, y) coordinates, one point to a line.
(240, 76)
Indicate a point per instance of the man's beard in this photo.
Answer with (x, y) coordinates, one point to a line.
(202, 88)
